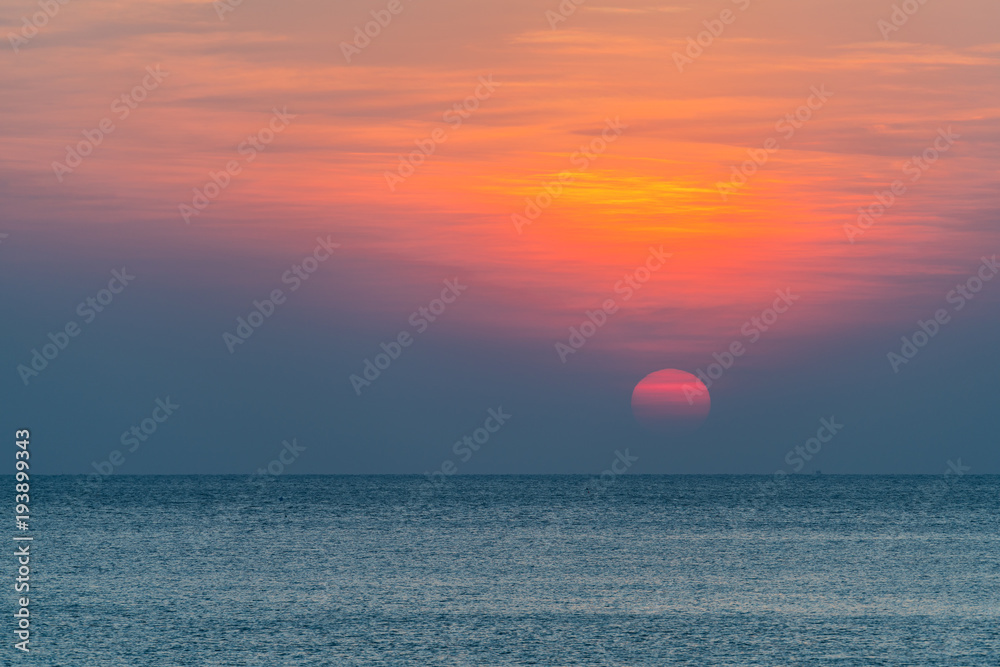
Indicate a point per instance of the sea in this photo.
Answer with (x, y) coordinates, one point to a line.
(708, 570)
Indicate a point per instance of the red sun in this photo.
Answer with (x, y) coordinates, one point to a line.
(671, 401)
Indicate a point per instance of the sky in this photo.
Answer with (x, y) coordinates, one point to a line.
(665, 173)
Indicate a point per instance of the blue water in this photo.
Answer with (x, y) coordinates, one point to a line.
(651, 570)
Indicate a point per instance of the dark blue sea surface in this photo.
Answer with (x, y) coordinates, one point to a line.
(514, 570)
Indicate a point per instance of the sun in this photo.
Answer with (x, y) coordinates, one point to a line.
(671, 401)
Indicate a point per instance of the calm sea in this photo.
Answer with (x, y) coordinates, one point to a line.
(512, 570)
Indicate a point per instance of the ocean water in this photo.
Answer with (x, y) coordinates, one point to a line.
(512, 570)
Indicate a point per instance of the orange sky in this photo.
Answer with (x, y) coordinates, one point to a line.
(656, 184)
